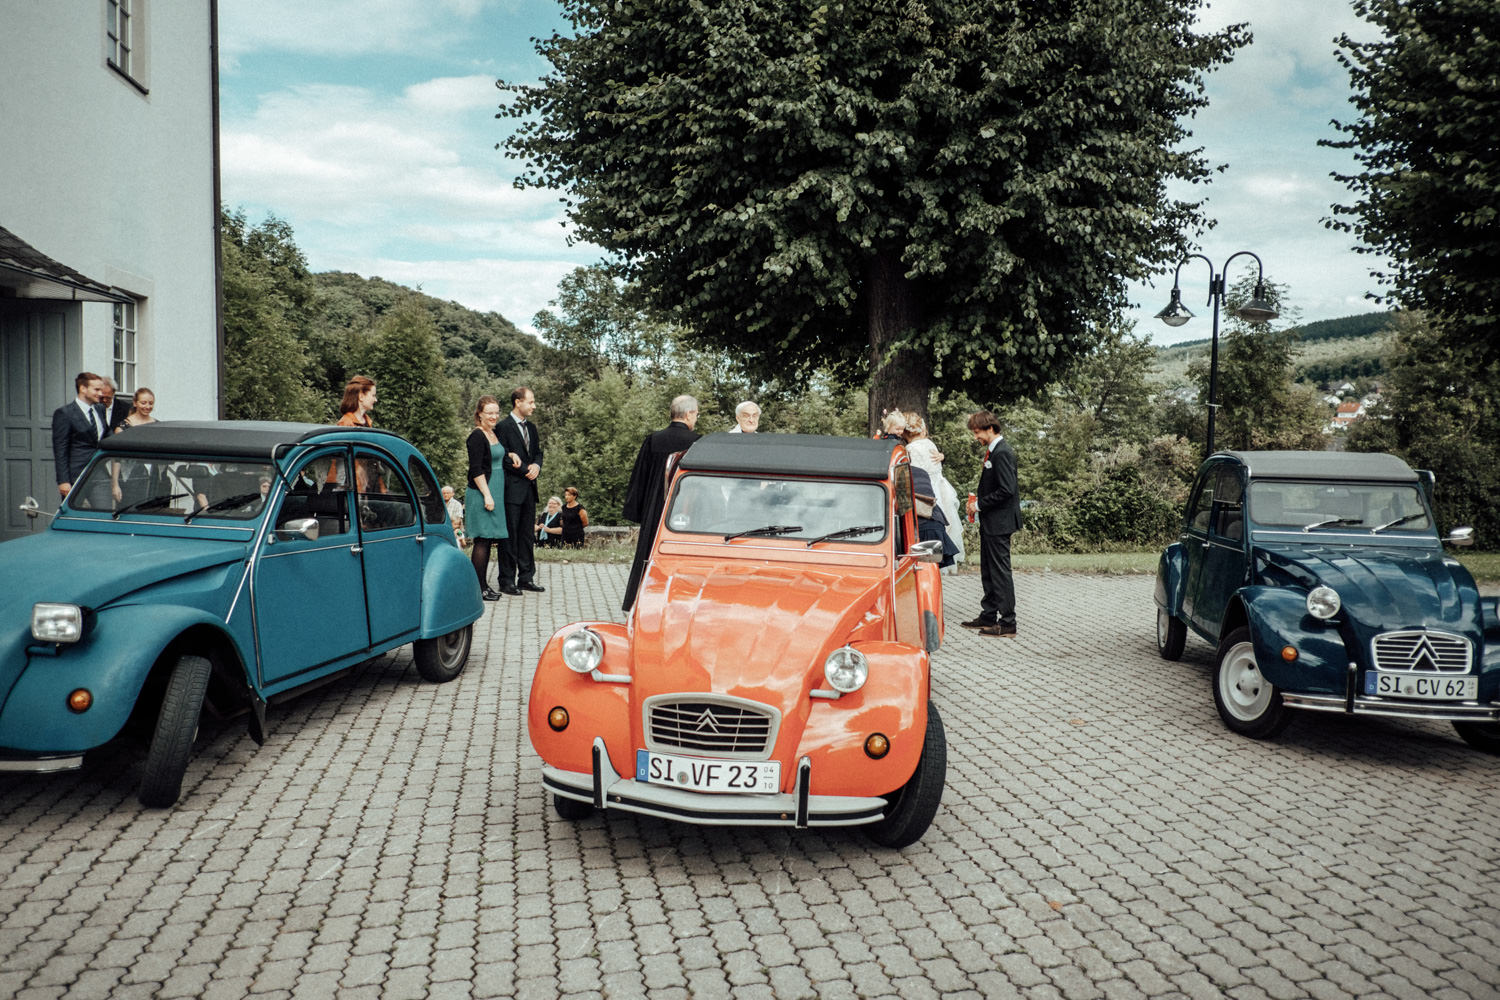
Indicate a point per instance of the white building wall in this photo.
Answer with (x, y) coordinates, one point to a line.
(117, 181)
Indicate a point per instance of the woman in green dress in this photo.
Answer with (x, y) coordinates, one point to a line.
(484, 516)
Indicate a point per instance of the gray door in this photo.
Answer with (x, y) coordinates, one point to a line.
(39, 347)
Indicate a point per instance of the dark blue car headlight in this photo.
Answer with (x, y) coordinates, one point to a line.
(1323, 602)
(57, 622)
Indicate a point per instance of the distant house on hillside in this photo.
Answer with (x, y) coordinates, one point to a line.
(1347, 412)
(108, 218)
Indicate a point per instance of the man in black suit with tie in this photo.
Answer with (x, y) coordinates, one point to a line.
(114, 414)
(999, 509)
(76, 431)
(523, 463)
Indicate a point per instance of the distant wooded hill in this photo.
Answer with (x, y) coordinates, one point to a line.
(1331, 350)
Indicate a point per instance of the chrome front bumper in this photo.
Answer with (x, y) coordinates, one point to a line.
(41, 765)
(606, 789)
(1362, 705)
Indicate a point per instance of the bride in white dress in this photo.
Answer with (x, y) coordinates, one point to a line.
(925, 455)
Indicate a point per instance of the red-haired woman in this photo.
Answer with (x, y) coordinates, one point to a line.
(359, 399)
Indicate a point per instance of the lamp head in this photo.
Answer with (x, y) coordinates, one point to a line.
(1259, 309)
(1175, 314)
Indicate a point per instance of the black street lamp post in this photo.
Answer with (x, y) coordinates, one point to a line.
(1258, 310)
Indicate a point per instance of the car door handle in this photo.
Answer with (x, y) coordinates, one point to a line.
(355, 550)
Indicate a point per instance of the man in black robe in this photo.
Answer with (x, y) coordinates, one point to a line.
(647, 493)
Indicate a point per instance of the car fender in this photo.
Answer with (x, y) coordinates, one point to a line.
(112, 662)
(1277, 618)
(892, 702)
(450, 592)
(1171, 578)
(595, 708)
(930, 601)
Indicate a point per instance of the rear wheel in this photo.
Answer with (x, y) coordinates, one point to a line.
(176, 728)
(571, 809)
(1480, 735)
(442, 659)
(1170, 635)
(1247, 702)
(911, 808)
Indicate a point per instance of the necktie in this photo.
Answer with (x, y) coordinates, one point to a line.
(98, 423)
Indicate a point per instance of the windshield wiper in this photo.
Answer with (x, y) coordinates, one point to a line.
(769, 529)
(157, 501)
(238, 500)
(1399, 520)
(1334, 520)
(862, 529)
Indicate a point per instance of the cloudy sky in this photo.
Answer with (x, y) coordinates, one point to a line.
(369, 126)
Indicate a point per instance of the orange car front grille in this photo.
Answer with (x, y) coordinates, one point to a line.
(710, 727)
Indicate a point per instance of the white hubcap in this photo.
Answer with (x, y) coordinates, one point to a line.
(1246, 693)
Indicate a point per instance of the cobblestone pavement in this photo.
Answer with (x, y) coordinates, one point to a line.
(1102, 835)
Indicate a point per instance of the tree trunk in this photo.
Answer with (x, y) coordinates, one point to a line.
(901, 379)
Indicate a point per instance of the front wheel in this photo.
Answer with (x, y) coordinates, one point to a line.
(912, 807)
(176, 728)
(1247, 702)
(1171, 634)
(442, 659)
(1480, 735)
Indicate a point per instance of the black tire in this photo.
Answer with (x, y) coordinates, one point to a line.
(176, 728)
(1171, 634)
(1248, 703)
(571, 809)
(913, 806)
(1480, 735)
(442, 659)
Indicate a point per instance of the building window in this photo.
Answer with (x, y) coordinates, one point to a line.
(125, 335)
(124, 37)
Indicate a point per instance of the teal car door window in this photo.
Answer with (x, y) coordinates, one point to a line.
(391, 543)
(317, 582)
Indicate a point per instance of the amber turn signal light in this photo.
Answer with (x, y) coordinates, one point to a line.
(558, 719)
(80, 700)
(1288, 653)
(877, 746)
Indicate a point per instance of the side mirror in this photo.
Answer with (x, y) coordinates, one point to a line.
(928, 550)
(1460, 537)
(31, 509)
(301, 527)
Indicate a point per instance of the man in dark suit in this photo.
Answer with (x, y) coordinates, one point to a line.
(114, 414)
(647, 493)
(76, 431)
(523, 463)
(999, 510)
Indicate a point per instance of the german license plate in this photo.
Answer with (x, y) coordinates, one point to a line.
(1419, 686)
(699, 774)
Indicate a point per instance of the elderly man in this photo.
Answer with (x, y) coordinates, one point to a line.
(647, 493)
(114, 414)
(746, 418)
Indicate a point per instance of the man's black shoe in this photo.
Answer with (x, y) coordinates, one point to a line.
(512, 591)
(489, 595)
(978, 623)
(533, 588)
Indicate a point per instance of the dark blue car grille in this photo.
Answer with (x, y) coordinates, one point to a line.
(1424, 652)
(710, 727)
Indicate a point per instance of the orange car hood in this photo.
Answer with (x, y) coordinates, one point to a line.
(751, 630)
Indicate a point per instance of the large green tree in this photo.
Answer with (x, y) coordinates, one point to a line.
(1428, 96)
(417, 399)
(912, 192)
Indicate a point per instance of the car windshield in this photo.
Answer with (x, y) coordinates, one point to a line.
(173, 486)
(1315, 507)
(755, 506)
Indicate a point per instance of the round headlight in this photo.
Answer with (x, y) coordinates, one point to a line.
(845, 669)
(1323, 602)
(583, 651)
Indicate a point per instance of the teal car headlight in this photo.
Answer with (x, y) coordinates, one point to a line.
(846, 669)
(56, 622)
(583, 651)
(1323, 602)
